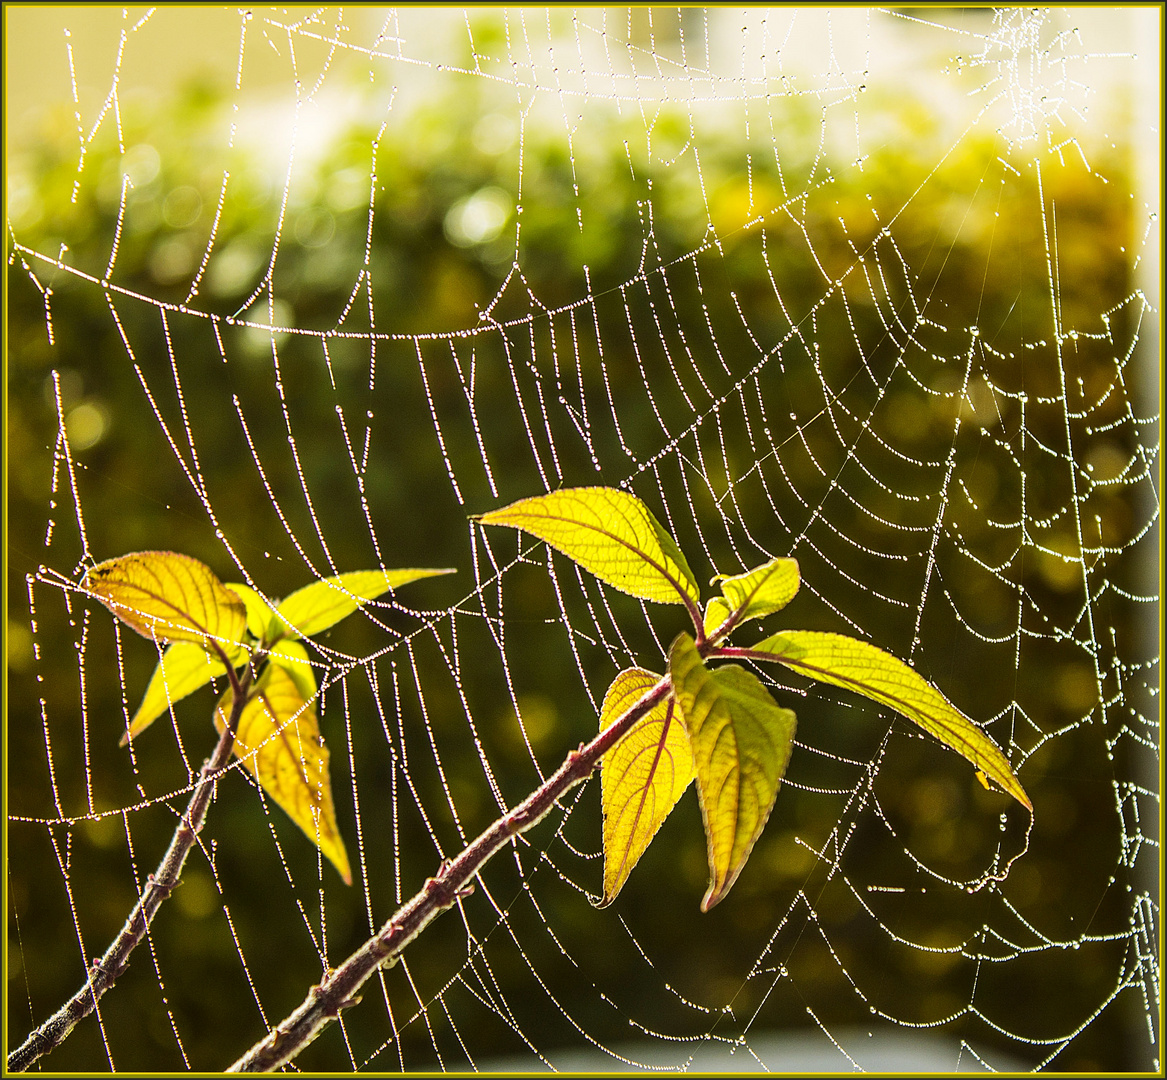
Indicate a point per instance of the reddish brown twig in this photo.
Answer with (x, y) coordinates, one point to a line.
(159, 885)
(338, 991)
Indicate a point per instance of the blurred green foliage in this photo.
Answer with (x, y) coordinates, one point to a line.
(843, 280)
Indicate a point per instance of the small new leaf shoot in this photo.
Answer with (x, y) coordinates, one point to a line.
(259, 611)
(717, 611)
(761, 591)
(293, 658)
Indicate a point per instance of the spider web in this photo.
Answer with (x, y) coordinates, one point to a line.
(876, 290)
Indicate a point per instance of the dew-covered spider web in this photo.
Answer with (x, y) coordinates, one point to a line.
(298, 291)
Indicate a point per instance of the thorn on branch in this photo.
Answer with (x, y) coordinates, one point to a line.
(440, 890)
(348, 1003)
(388, 940)
(101, 978)
(166, 888)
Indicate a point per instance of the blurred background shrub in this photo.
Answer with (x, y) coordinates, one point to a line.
(890, 300)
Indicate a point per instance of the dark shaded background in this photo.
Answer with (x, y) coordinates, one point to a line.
(839, 374)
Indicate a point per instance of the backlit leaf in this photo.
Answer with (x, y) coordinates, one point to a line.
(184, 667)
(611, 534)
(168, 597)
(278, 740)
(763, 590)
(258, 609)
(741, 740)
(324, 603)
(641, 777)
(293, 658)
(856, 665)
(716, 612)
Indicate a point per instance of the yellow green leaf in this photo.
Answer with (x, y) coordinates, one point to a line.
(258, 609)
(611, 534)
(278, 740)
(168, 597)
(741, 740)
(641, 777)
(293, 658)
(856, 665)
(763, 590)
(184, 667)
(716, 612)
(324, 603)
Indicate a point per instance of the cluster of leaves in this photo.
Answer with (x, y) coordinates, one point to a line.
(718, 725)
(213, 629)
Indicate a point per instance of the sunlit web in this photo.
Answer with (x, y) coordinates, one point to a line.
(872, 290)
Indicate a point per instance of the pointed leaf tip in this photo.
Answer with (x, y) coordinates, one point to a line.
(763, 590)
(868, 670)
(278, 740)
(641, 777)
(611, 534)
(741, 740)
(324, 603)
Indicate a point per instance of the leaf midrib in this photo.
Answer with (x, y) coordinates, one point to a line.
(685, 597)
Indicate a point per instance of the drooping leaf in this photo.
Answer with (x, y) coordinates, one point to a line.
(763, 590)
(641, 777)
(611, 534)
(278, 740)
(184, 667)
(258, 610)
(293, 658)
(741, 740)
(324, 603)
(856, 665)
(169, 597)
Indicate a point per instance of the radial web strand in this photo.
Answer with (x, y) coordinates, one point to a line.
(300, 291)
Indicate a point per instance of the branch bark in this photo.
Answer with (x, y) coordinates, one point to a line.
(159, 885)
(338, 991)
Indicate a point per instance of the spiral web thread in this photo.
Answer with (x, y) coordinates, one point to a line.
(753, 426)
